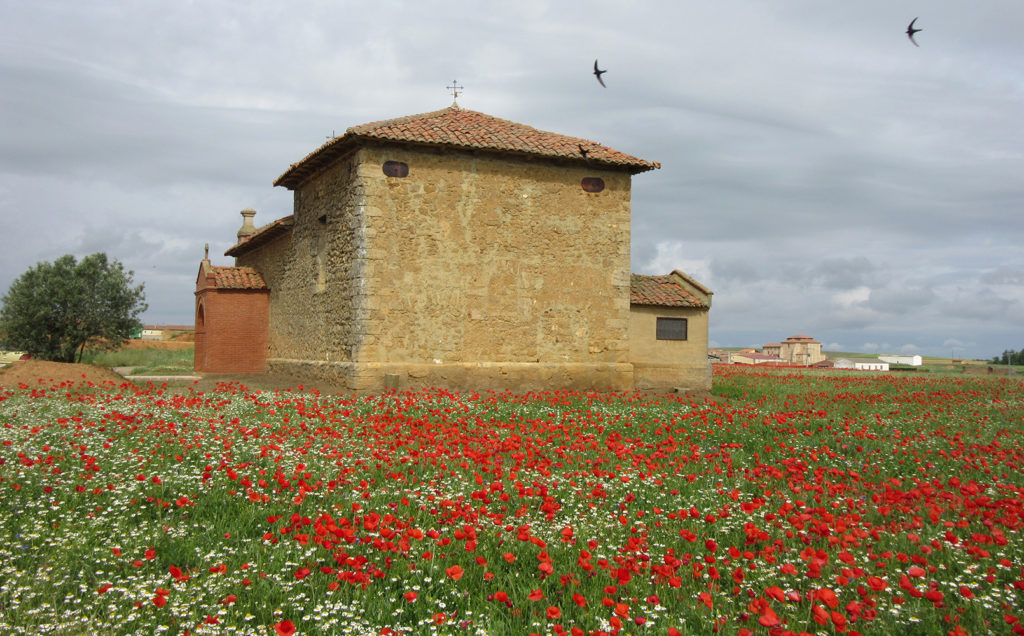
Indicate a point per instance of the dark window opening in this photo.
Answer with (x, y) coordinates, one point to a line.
(671, 329)
(396, 169)
(592, 184)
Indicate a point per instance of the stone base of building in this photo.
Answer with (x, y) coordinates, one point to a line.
(373, 377)
(660, 378)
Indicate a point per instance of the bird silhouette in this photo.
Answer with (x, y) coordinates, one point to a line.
(583, 151)
(911, 31)
(597, 74)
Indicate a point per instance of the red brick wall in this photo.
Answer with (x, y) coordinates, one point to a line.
(231, 330)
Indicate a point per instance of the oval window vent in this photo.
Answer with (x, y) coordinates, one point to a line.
(592, 184)
(396, 169)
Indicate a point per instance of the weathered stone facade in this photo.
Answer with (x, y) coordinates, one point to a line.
(473, 266)
(471, 269)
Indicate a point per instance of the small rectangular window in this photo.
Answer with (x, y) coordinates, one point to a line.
(671, 329)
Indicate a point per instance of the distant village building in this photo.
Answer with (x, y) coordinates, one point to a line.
(802, 350)
(459, 250)
(745, 357)
(861, 364)
(912, 360)
(161, 332)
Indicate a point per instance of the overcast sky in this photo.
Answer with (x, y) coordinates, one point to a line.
(820, 173)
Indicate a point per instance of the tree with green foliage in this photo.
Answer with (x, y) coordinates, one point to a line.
(1010, 357)
(54, 310)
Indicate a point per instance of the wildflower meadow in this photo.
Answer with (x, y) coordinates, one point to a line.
(811, 502)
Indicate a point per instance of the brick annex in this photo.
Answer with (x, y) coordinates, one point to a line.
(453, 249)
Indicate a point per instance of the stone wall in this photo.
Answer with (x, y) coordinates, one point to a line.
(669, 365)
(470, 272)
(314, 275)
(477, 260)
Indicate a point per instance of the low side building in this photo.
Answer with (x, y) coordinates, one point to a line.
(668, 333)
(232, 306)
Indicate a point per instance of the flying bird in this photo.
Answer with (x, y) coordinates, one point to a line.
(583, 151)
(597, 74)
(911, 31)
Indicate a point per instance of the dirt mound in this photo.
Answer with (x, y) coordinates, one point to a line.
(40, 373)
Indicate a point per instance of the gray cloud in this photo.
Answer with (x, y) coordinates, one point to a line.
(819, 172)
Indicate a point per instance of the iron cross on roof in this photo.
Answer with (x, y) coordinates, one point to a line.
(455, 88)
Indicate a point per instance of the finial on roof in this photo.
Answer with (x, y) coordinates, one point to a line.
(455, 89)
(206, 252)
(247, 229)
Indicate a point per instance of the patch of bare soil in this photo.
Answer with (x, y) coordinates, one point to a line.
(44, 374)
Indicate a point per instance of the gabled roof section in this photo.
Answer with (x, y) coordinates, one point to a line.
(221, 277)
(262, 236)
(236, 278)
(674, 290)
(469, 130)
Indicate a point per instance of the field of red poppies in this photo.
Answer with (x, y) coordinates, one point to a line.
(809, 502)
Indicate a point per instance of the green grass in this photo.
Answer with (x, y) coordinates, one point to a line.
(148, 361)
(864, 472)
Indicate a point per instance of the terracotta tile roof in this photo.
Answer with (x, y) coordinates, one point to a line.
(801, 338)
(465, 129)
(237, 278)
(262, 236)
(663, 291)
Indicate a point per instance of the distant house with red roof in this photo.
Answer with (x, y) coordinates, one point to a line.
(460, 250)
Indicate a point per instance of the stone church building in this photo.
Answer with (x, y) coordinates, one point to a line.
(458, 250)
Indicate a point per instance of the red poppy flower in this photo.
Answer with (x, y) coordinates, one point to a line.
(553, 613)
(536, 595)
(284, 628)
(769, 618)
(454, 572)
(828, 597)
(410, 596)
(877, 584)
